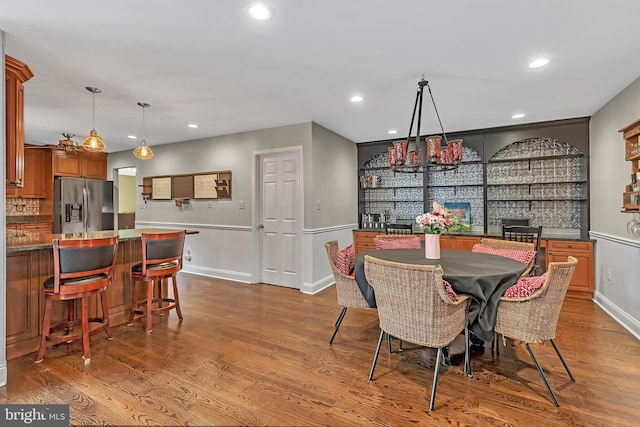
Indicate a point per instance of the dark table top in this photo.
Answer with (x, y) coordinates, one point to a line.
(483, 277)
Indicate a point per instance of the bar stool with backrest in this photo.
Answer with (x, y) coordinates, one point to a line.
(518, 233)
(161, 260)
(82, 268)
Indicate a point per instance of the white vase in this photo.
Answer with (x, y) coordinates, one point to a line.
(432, 246)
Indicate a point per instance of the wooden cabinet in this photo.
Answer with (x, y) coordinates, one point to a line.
(459, 243)
(363, 240)
(23, 286)
(581, 285)
(631, 194)
(36, 226)
(80, 165)
(37, 174)
(16, 73)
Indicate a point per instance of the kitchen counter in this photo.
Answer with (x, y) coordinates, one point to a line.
(20, 240)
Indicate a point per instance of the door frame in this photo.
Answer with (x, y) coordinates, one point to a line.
(256, 183)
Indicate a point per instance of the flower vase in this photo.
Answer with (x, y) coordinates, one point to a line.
(432, 246)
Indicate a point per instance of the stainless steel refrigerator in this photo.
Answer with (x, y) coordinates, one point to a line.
(82, 205)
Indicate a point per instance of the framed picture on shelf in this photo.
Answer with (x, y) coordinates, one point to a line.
(462, 211)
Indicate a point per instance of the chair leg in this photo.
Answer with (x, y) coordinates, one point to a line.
(375, 356)
(46, 329)
(175, 297)
(105, 314)
(149, 306)
(84, 308)
(134, 302)
(544, 379)
(467, 360)
(71, 317)
(562, 360)
(338, 322)
(435, 380)
(389, 338)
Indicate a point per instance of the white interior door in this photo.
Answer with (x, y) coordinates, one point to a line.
(280, 219)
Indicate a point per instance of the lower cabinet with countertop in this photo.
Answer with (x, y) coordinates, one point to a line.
(582, 282)
(30, 262)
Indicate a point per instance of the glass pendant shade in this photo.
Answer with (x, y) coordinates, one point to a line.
(143, 152)
(94, 142)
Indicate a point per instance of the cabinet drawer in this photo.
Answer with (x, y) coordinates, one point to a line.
(563, 245)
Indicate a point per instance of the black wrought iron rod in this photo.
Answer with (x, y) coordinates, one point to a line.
(437, 114)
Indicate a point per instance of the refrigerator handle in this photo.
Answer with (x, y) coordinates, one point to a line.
(87, 207)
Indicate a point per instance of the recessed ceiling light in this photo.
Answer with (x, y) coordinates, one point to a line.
(539, 63)
(356, 98)
(192, 125)
(517, 116)
(392, 132)
(132, 137)
(259, 11)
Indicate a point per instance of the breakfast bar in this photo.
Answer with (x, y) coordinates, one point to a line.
(30, 263)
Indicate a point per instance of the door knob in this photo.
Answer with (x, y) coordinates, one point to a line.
(261, 226)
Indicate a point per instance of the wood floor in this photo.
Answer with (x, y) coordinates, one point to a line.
(260, 355)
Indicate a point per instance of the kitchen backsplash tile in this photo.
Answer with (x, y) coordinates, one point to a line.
(19, 207)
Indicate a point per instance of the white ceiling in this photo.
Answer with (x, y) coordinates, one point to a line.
(204, 61)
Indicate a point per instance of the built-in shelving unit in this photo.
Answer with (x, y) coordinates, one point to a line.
(506, 173)
(631, 194)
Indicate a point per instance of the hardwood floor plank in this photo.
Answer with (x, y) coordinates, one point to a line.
(259, 355)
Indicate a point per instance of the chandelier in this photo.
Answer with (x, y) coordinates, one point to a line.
(415, 156)
(143, 152)
(93, 142)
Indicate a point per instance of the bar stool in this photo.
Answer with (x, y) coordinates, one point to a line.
(161, 259)
(82, 268)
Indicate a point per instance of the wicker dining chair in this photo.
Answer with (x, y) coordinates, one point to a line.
(414, 306)
(349, 294)
(533, 319)
(512, 245)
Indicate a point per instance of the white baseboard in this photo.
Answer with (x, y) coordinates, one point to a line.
(626, 321)
(319, 286)
(235, 276)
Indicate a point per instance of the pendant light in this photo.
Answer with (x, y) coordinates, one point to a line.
(94, 141)
(143, 152)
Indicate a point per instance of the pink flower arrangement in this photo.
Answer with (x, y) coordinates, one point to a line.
(437, 221)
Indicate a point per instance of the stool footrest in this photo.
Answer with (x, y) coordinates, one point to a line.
(71, 325)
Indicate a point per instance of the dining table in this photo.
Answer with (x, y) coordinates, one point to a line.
(483, 277)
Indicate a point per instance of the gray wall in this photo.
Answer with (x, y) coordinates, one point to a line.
(330, 175)
(609, 171)
(334, 180)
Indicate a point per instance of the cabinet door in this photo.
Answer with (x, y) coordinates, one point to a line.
(22, 296)
(363, 241)
(465, 243)
(66, 165)
(14, 130)
(35, 166)
(94, 168)
(581, 285)
(447, 242)
(44, 226)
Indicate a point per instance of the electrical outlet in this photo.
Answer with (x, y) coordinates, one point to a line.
(241, 204)
(609, 274)
(318, 205)
(209, 204)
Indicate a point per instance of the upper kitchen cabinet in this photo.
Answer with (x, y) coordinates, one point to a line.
(37, 171)
(80, 165)
(16, 73)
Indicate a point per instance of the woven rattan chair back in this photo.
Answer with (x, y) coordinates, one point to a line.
(512, 245)
(397, 241)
